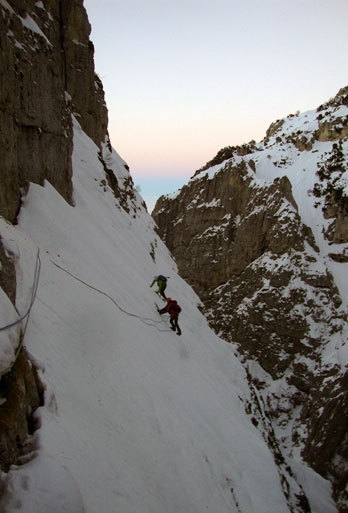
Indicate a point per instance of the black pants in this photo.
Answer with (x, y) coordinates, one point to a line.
(174, 323)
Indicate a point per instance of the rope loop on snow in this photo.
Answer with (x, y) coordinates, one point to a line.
(27, 313)
(145, 320)
(33, 295)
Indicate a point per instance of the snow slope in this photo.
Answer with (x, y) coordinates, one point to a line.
(136, 419)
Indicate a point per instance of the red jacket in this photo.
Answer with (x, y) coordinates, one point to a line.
(172, 308)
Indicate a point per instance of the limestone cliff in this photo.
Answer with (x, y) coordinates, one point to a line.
(46, 76)
(259, 232)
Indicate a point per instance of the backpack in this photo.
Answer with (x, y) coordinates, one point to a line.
(174, 308)
(161, 277)
(177, 308)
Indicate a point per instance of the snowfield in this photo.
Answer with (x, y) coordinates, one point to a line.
(136, 419)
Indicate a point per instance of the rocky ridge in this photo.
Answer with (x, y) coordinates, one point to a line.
(266, 265)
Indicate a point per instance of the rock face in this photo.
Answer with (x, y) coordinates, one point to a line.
(46, 74)
(22, 393)
(260, 258)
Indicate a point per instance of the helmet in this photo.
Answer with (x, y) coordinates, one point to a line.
(169, 298)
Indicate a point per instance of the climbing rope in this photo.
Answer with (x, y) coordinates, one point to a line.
(33, 295)
(146, 320)
(27, 313)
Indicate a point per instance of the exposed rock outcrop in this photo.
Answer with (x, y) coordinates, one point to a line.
(46, 74)
(21, 390)
(21, 394)
(242, 240)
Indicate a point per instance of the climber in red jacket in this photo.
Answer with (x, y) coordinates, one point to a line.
(173, 309)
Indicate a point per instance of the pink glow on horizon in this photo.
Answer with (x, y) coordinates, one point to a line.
(182, 81)
(177, 153)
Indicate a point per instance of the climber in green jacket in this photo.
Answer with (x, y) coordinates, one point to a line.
(161, 284)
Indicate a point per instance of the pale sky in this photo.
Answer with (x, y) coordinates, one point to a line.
(184, 78)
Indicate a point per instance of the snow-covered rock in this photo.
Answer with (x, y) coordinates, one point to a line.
(261, 233)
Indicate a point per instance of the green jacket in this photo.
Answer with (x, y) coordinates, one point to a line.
(160, 281)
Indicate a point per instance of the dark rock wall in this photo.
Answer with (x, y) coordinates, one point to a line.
(21, 394)
(46, 74)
